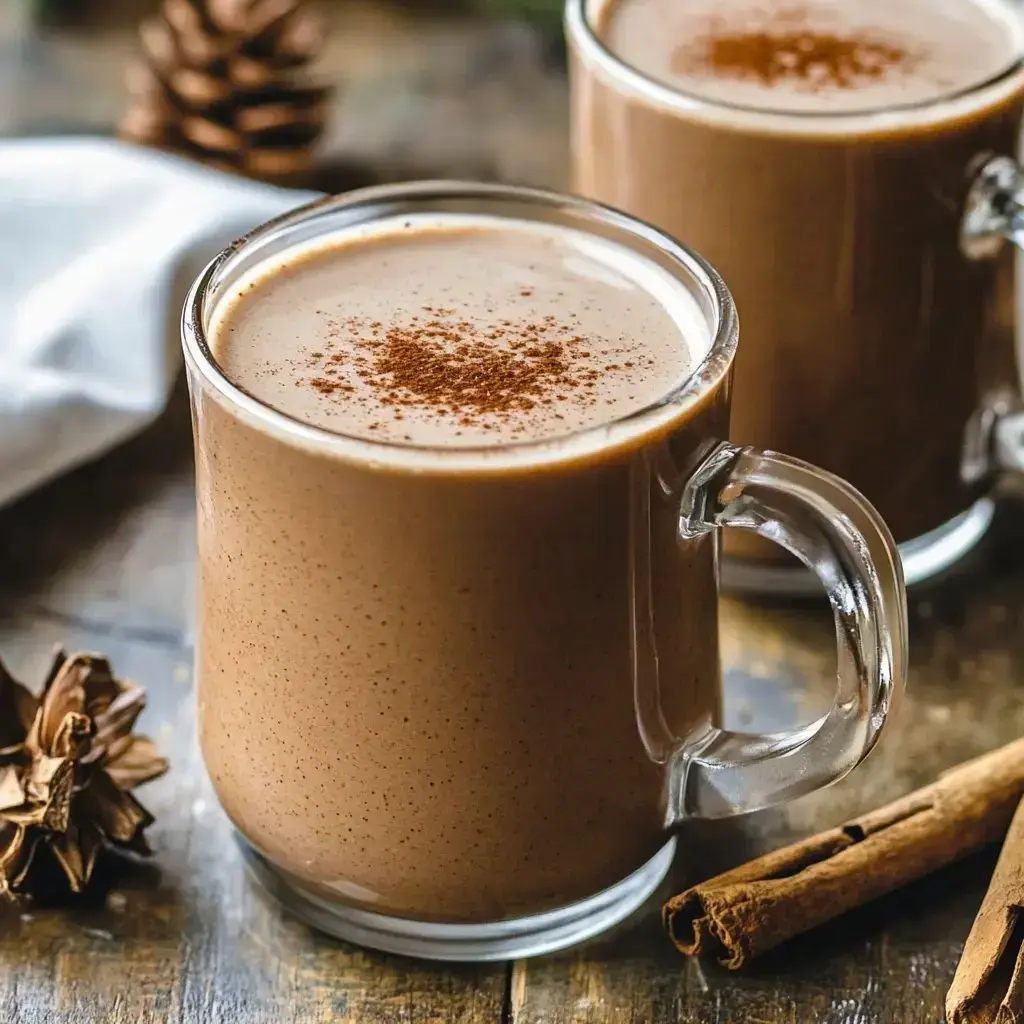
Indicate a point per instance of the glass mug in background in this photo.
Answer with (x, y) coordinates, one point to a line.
(535, 811)
(863, 268)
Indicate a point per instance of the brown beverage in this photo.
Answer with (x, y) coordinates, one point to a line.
(819, 154)
(442, 718)
(460, 474)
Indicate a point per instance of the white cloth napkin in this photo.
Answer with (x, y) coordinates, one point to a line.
(99, 242)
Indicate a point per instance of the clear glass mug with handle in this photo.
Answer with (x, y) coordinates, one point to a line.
(875, 341)
(543, 807)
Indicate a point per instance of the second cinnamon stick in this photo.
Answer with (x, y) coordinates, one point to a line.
(742, 913)
(989, 981)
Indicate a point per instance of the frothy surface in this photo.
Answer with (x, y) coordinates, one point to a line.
(457, 332)
(818, 56)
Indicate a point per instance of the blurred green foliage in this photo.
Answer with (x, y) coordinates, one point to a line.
(548, 12)
(45, 9)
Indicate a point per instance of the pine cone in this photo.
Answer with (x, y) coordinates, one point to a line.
(226, 82)
(67, 763)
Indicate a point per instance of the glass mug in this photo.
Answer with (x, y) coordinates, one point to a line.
(857, 245)
(423, 812)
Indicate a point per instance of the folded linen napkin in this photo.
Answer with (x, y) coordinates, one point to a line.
(99, 241)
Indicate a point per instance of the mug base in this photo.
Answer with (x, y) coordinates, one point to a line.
(924, 558)
(500, 940)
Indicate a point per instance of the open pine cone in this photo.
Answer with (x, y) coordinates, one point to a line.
(68, 761)
(225, 82)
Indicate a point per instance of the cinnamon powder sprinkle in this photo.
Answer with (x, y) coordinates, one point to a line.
(451, 366)
(787, 49)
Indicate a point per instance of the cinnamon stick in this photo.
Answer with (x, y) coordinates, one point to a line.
(988, 986)
(742, 913)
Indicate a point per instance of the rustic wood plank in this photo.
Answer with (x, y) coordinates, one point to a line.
(882, 964)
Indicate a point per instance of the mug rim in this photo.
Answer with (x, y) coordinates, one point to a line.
(365, 206)
(581, 32)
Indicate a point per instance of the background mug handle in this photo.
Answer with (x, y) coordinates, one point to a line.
(994, 215)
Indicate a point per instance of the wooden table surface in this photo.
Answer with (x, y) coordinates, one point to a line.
(103, 559)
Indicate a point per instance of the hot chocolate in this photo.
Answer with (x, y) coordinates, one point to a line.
(819, 155)
(416, 675)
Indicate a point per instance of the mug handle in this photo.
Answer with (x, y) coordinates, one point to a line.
(994, 215)
(833, 530)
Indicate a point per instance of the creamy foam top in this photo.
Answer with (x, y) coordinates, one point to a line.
(818, 56)
(459, 331)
